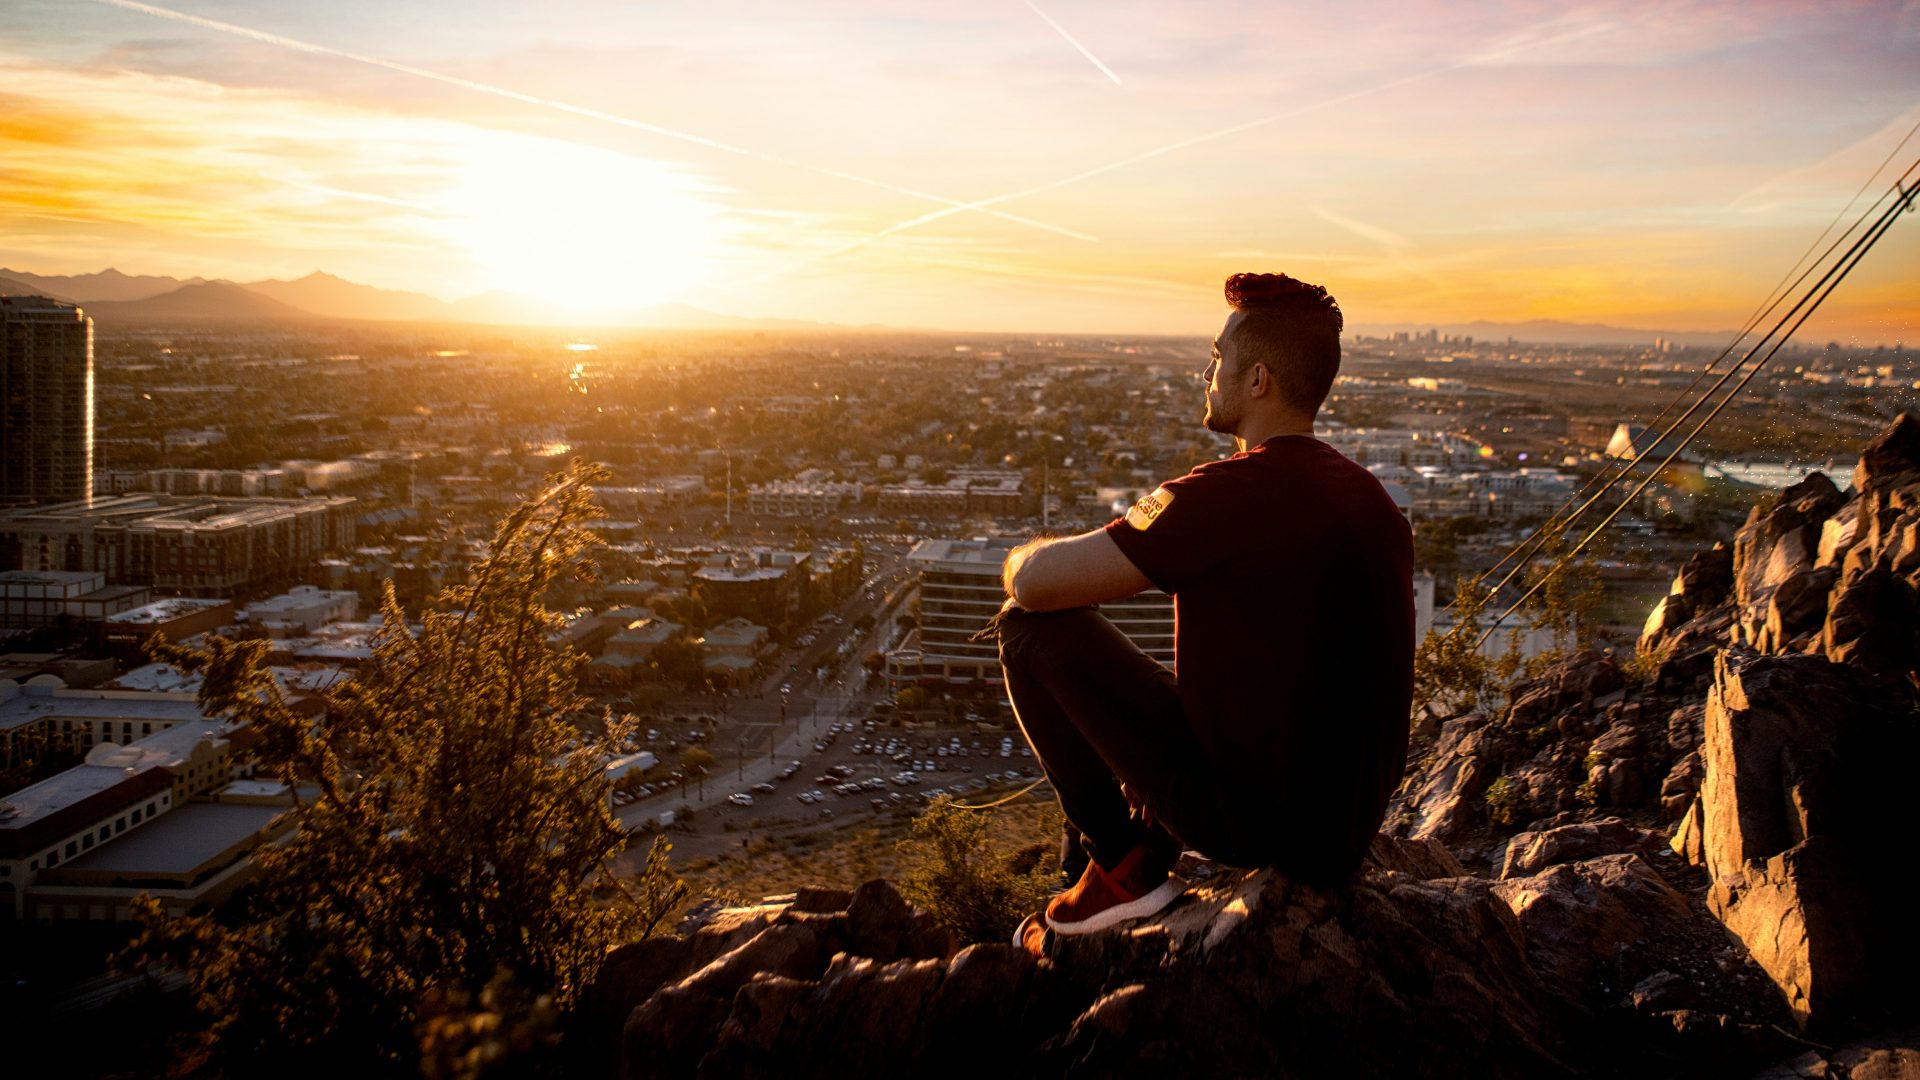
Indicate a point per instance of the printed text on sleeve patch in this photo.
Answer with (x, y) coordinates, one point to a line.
(1144, 513)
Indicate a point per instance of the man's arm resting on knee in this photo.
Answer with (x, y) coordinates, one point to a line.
(1070, 571)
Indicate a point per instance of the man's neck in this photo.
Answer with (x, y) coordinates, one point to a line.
(1253, 434)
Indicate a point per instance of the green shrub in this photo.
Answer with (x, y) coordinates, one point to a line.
(959, 877)
(1503, 799)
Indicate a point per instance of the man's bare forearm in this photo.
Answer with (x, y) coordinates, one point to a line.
(1018, 558)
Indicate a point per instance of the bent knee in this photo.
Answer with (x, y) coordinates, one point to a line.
(1022, 631)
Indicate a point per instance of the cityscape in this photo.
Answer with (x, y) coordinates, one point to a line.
(784, 580)
(510, 522)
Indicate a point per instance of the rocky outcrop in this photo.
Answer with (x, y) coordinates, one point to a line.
(1418, 970)
(1806, 827)
(1531, 852)
(1814, 570)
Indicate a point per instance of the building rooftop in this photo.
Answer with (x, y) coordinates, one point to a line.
(179, 842)
(46, 697)
(161, 611)
(184, 513)
(298, 600)
(979, 555)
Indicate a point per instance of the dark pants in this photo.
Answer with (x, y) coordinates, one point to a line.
(1098, 712)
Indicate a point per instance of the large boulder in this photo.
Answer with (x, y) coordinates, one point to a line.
(1532, 852)
(1893, 456)
(1804, 825)
(1583, 918)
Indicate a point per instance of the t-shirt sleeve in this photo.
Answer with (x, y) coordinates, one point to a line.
(1180, 530)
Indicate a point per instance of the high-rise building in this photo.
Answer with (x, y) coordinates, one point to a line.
(46, 401)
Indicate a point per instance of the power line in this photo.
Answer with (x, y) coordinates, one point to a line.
(1824, 288)
(1548, 530)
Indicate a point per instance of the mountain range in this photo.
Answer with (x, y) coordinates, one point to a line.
(112, 297)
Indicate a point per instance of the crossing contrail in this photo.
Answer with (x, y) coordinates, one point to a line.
(297, 45)
(1075, 42)
(1519, 45)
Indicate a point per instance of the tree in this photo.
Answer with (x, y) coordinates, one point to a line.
(448, 845)
(680, 661)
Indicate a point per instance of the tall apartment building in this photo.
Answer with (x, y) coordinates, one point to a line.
(46, 402)
(960, 590)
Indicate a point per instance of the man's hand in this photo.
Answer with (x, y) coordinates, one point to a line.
(1137, 806)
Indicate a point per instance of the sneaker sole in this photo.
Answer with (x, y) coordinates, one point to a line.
(1149, 904)
(1020, 932)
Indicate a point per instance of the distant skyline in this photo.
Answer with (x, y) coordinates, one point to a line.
(1015, 166)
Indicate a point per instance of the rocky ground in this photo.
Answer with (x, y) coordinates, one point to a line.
(1692, 862)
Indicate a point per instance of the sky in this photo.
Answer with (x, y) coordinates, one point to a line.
(1085, 166)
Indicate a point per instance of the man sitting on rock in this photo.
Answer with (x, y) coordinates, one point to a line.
(1285, 731)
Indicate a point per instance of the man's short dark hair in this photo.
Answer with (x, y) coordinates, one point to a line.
(1294, 329)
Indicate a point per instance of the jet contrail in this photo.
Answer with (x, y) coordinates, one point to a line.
(1183, 144)
(577, 110)
(1073, 41)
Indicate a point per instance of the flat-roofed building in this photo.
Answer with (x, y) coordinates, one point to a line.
(765, 586)
(960, 591)
(85, 718)
(174, 619)
(188, 545)
(35, 598)
(799, 498)
(194, 856)
(302, 610)
(119, 791)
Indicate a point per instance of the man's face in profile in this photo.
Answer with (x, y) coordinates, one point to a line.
(1225, 401)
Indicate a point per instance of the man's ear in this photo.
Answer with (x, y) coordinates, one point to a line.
(1262, 379)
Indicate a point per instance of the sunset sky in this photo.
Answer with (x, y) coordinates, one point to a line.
(1062, 165)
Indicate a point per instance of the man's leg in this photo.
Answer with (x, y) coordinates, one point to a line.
(1096, 711)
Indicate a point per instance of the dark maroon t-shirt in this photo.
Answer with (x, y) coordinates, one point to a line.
(1292, 577)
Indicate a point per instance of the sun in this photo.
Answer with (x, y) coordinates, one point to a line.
(585, 230)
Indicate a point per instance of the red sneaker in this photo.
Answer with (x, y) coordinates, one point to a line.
(1101, 898)
(1031, 934)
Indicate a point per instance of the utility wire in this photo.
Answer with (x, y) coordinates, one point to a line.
(1824, 288)
(1527, 549)
(1001, 801)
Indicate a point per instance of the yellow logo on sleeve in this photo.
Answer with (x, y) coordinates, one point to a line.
(1144, 513)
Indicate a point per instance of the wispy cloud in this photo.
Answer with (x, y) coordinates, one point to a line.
(284, 42)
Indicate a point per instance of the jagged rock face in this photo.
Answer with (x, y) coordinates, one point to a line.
(1891, 457)
(1814, 570)
(1575, 741)
(1805, 826)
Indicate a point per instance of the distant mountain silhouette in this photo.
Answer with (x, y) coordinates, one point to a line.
(214, 301)
(116, 297)
(10, 286)
(108, 284)
(337, 298)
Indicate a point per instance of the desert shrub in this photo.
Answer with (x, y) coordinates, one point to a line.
(959, 876)
(1503, 799)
